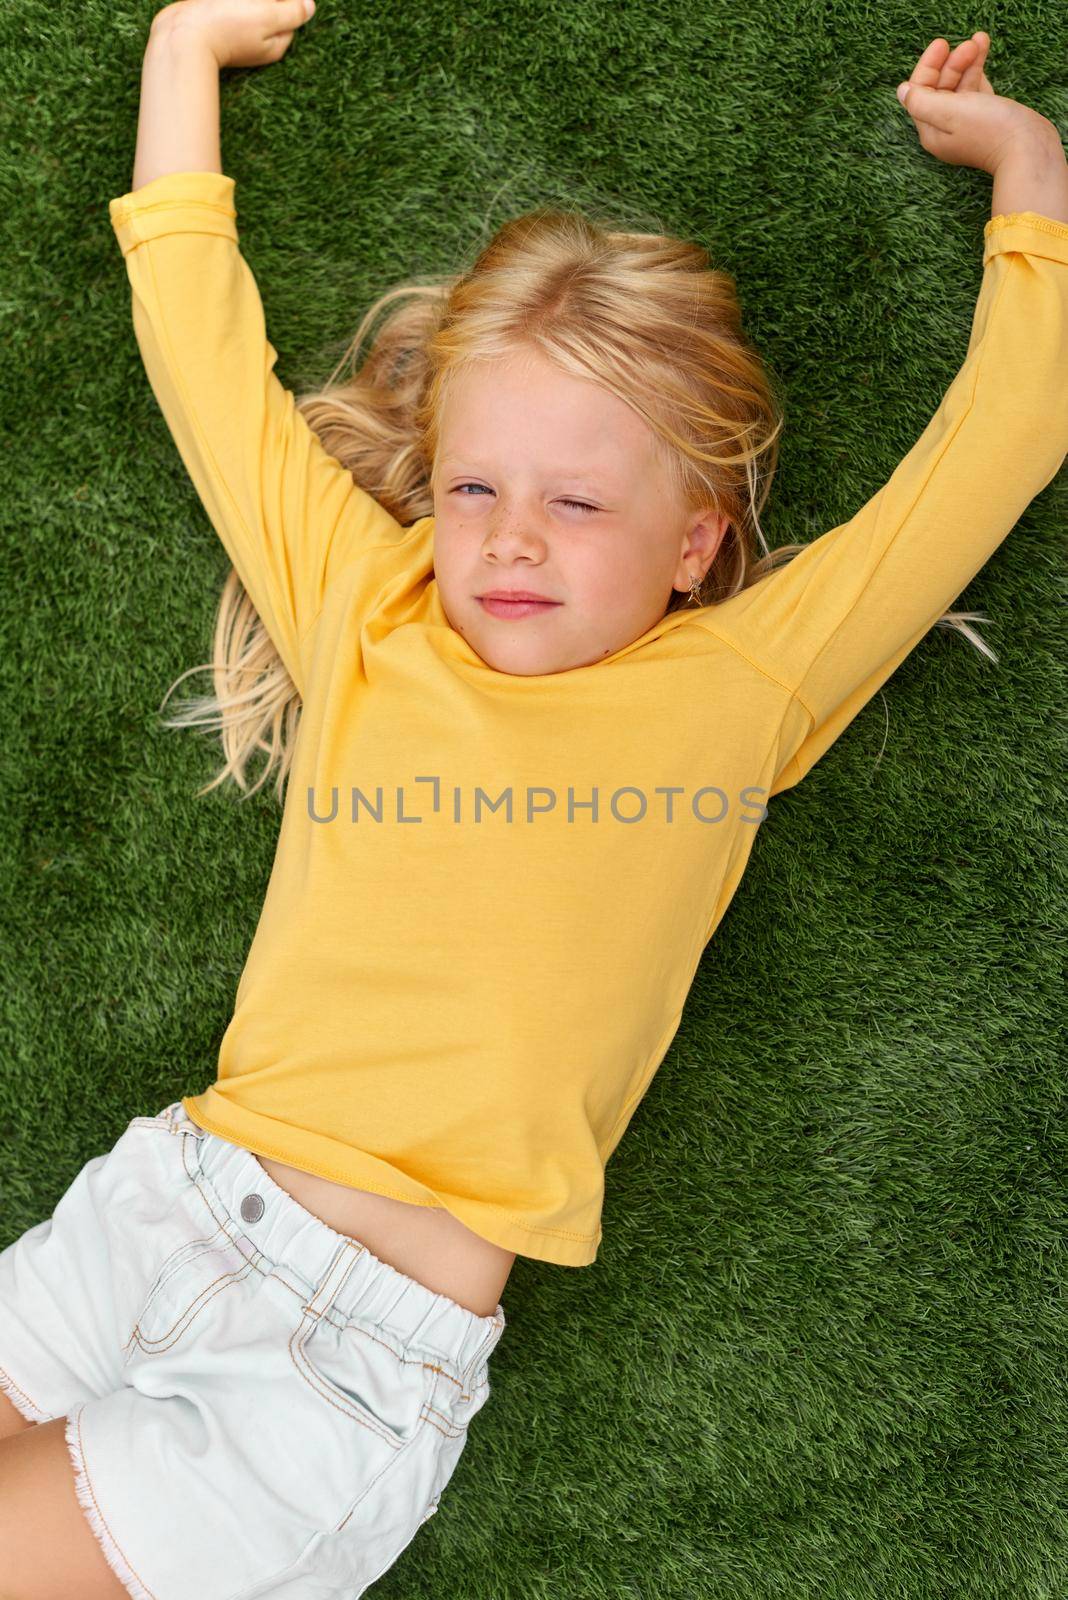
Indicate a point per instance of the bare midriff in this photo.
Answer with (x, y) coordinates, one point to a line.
(426, 1243)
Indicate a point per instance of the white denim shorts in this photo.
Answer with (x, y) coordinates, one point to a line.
(256, 1405)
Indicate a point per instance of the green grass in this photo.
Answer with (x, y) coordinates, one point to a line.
(823, 1350)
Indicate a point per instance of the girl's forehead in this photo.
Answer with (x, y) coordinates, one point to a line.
(583, 427)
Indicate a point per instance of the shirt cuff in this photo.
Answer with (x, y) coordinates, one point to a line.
(1028, 231)
(179, 202)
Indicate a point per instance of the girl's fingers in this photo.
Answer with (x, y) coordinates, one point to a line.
(958, 65)
(925, 74)
(928, 68)
(973, 74)
(942, 69)
(930, 105)
(289, 15)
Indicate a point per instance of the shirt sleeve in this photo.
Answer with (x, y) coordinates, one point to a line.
(289, 515)
(833, 623)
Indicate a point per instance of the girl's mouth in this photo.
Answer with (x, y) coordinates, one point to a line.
(513, 609)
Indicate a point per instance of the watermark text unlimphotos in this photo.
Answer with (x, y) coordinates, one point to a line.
(627, 803)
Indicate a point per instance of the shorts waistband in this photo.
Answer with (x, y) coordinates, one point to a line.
(338, 1272)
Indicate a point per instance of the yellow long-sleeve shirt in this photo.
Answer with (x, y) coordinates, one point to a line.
(464, 976)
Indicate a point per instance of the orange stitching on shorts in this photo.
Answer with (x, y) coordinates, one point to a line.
(463, 1394)
(356, 1327)
(171, 1265)
(9, 1383)
(428, 1418)
(222, 1222)
(344, 1325)
(155, 1346)
(100, 1514)
(318, 1385)
(449, 1423)
(362, 1496)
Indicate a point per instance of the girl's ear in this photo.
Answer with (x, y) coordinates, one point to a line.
(706, 536)
(699, 547)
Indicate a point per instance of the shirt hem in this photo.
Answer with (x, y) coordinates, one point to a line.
(237, 1125)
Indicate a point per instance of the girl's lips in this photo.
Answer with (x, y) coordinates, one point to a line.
(513, 609)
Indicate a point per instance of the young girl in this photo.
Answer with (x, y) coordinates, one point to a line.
(545, 686)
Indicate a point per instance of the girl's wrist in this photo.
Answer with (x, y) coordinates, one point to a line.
(166, 17)
(1032, 175)
(186, 23)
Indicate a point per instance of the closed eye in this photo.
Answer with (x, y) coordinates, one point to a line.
(579, 505)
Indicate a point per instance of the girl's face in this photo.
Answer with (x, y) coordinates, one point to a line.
(523, 449)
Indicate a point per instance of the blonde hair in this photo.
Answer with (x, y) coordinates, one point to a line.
(643, 314)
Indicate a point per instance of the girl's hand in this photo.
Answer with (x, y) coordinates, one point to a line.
(240, 33)
(958, 116)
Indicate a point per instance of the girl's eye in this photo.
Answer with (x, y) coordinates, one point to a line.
(579, 505)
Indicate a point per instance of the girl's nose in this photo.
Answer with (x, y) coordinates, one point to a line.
(513, 540)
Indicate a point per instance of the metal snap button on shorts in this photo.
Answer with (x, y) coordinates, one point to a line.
(256, 1405)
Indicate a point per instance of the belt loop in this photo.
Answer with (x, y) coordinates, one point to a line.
(337, 1274)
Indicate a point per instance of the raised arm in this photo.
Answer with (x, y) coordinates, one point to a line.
(836, 621)
(289, 515)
